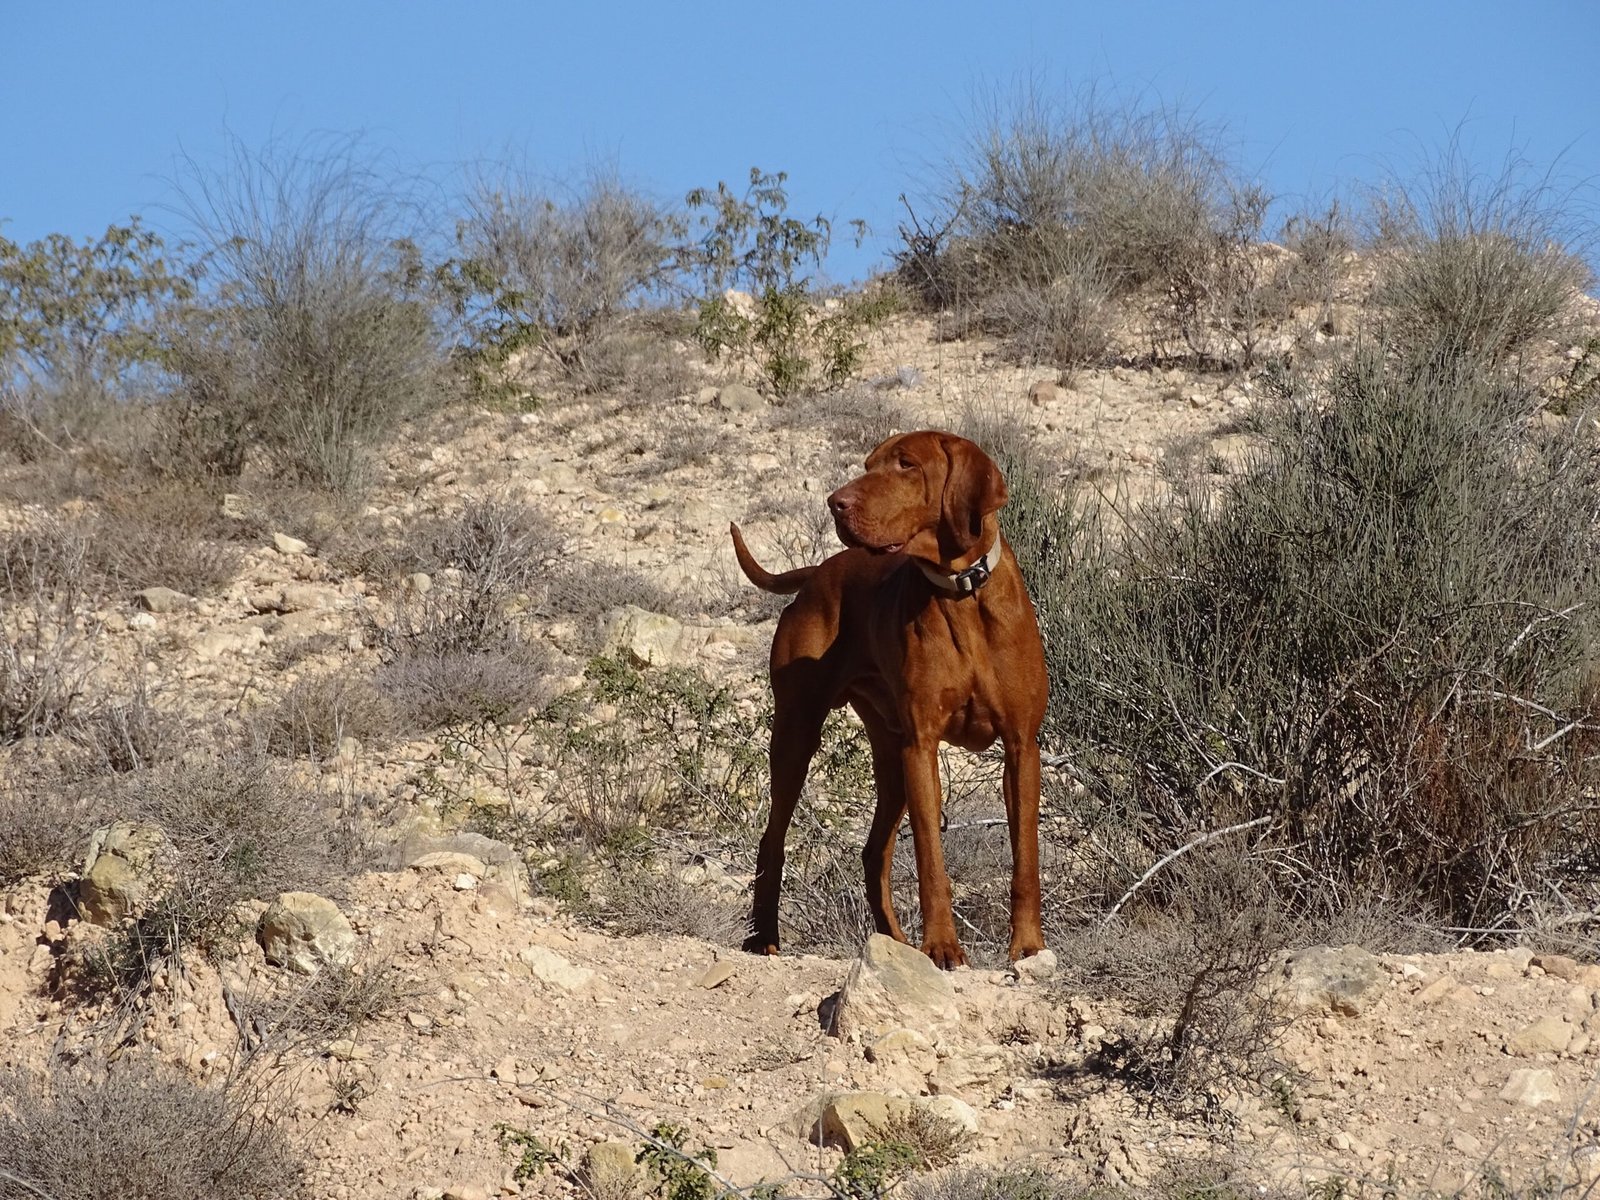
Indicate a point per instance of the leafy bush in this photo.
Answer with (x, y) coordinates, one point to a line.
(316, 335)
(1377, 639)
(76, 324)
(796, 340)
(132, 1128)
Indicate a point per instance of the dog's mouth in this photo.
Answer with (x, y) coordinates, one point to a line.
(853, 539)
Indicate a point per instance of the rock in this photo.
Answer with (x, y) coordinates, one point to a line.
(1520, 957)
(957, 1112)
(903, 1045)
(716, 974)
(739, 398)
(449, 862)
(419, 582)
(1548, 1035)
(1045, 392)
(161, 600)
(225, 643)
(560, 477)
(1036, 967)
(1439, 990)
(127, 866)
(894, 986)
(1466, 1143)
(1559, 965)
(305, 932)
(236, 507)
(646, 638)
(142, 620)
(549, 967)
(289, 545)
(1334, 979)
(856, 1118)
(1531, 1086)
(609, 1169)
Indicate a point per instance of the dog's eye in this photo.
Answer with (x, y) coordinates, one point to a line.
(905, 464)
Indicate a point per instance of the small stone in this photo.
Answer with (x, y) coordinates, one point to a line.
(304, 932)
(1046, 392)
(141, 620)
(464, 882)
(1531, 1086)
(549, 967)
(1548, 1035)
(419, 1020)
(1558, 965)
(952, 1110)
(419, 582)
(235, 506)
(739, 398)
(1466, 1143)
(161, 600)
(1036, 967)
(1334, 979)
(1437, 991)
(716, 974)
(288, 545)
(449, 862)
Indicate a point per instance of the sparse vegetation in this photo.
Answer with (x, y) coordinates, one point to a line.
(132, 1128)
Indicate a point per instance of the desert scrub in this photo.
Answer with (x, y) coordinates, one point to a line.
(314, 332)
(1376, 642)
(103, 1130)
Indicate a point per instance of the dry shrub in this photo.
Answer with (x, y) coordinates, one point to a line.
(1485, 265)
(430, 690)
(48, 647)
(337, 1002)
(316, 335)
(855, 419)
(639, 899)
(126, 731)
(1189, 961)
(172, 537)
(994, 1183)
(319, 711)
(240, 827)
(1054, 208)
(557, 272)
(45, 818)
(136, 1129)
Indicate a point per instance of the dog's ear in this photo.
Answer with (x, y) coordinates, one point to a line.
(973, 488)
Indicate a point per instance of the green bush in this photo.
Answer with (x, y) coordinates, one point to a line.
(77, 322)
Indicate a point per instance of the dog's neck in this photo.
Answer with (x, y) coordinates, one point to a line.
(967, 580)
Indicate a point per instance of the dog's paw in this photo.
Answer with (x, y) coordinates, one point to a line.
(758, 944)
(1024, 947)
(946, 953)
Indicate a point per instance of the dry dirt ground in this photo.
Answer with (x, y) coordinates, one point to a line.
(1437, 1079)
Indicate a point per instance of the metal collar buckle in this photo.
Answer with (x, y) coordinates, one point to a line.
(973, 578)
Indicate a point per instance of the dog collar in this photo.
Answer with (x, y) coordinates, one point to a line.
(964, 583)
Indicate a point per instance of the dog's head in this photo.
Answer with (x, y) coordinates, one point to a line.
(929, 494)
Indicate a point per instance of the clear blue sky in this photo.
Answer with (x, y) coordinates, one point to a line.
(854, 100)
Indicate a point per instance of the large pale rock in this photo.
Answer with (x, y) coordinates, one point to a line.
(1548, 1035)
(288, 545)
(1333, 979)
(894, 986)
(305, 932)
(161, 600)
(126, 868)
(856, 1118)
(1530, 1086)
(648, 639)
(740, 398)
(549, 967)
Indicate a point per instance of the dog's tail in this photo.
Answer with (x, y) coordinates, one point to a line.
(786, 584)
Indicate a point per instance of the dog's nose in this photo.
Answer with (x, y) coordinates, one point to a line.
(839, 504)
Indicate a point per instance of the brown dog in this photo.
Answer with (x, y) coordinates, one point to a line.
(924, 627)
